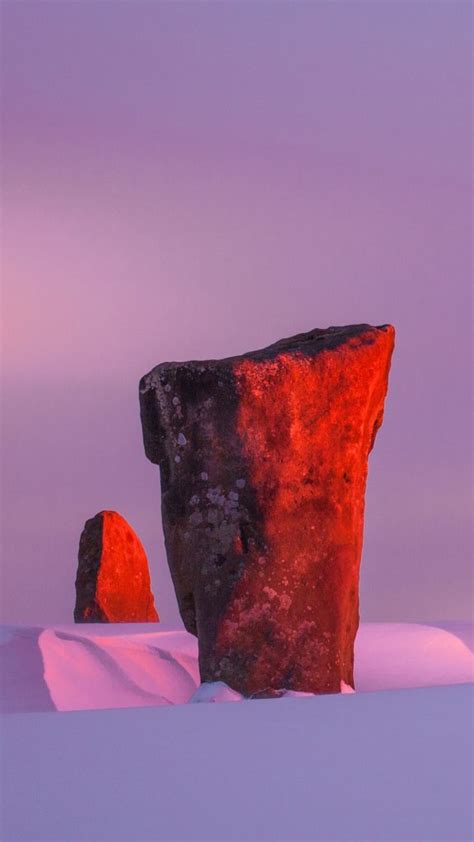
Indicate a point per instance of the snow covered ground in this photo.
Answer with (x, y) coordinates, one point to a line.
(93, 666)
(390, 765)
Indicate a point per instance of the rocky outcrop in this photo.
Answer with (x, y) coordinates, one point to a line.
(113, 580)
(263, 461)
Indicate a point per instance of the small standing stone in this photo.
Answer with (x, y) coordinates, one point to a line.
(113, 580)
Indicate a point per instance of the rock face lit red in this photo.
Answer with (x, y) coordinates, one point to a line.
(113, 580)
(263, 464)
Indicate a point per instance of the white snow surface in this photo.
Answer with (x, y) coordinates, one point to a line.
(94, 666)
(390, 765)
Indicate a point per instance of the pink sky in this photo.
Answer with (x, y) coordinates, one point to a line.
(185, 180)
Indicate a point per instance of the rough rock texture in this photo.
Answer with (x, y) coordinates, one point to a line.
(113, 581)
(263, 464)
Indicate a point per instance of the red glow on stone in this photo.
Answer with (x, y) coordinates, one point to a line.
(123, 583)
(307, 425)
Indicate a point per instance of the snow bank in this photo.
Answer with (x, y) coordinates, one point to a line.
(82, 667)
(392, 655)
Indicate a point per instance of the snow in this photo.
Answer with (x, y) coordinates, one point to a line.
(388, 766)
(378, 765)
(389, 655)
(81, 667)
(215, 691)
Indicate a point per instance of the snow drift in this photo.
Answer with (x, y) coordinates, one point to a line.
(98, 666)
(388, 766)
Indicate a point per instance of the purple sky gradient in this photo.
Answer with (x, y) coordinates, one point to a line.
(186, 180)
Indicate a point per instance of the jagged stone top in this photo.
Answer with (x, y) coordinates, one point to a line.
(162, 390)
(311, 343)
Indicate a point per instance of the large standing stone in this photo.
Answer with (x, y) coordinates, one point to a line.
(113, 580)
(263, 464)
